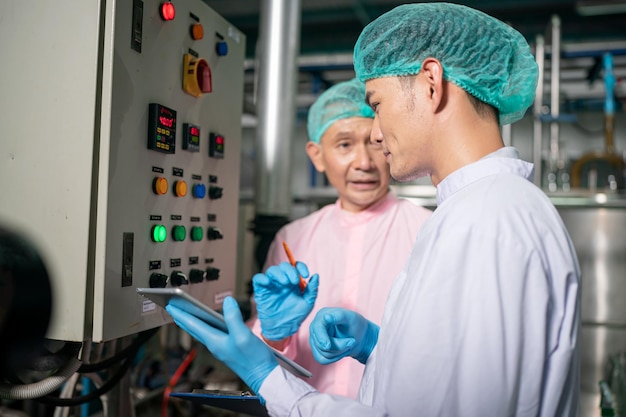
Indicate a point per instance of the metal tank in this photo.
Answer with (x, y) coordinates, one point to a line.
(597, 225)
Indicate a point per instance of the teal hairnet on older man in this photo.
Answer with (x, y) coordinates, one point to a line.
(341, 101)
(484, 318)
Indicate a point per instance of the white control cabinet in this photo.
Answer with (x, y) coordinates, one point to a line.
(120, 154)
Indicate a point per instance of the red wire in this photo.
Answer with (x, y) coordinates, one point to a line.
(174, 380)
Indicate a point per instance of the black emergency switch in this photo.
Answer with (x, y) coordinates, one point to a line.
(196, 275)
(157, 280)
(213, 233)
(215, 192)
(212, 274)
(177, 279)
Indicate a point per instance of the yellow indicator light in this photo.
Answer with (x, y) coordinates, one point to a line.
(159, 185)
(180, 188)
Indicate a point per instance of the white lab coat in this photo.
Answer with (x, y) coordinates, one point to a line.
(483, 320)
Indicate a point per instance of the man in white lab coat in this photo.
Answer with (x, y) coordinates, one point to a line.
(484, 318)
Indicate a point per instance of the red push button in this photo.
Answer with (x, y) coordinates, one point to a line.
(167, 11)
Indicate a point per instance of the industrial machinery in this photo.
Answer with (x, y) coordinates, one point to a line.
(597, 232)
(120, 154)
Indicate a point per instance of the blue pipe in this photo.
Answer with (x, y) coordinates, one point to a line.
(609, 82)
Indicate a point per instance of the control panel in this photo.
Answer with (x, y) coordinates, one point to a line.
(173, 184)
(129, 176)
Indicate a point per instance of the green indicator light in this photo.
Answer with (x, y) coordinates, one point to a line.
(159, 233)
(179, 233)
(196, 233)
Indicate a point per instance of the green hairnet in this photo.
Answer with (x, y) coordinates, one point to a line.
(341, 101)
(484, 56)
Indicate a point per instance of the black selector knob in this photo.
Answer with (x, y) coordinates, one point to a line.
(196, 275)
(157, 280)
(212, 274)
(215, 192)
(213, 233)
(177, 279)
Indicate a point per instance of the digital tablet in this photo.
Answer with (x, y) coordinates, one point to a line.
(165, 296)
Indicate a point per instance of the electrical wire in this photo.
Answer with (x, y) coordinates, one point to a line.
(40, 388)
(142, 338)
(174, 380)
(106, 387)
(129, 354)
(66, 392)
(48, 361)
(69, 389)
(70, 386)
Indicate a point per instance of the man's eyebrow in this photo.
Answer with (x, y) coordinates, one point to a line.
(367, 98)
(344, 134)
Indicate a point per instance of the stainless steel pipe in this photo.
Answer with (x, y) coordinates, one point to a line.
(277, 72)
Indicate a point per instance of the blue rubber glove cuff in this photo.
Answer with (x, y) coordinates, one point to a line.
(364, 349)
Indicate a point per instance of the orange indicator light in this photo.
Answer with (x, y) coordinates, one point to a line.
(159, 185)
(197, 31)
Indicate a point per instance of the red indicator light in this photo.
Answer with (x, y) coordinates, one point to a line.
(167, 11)
(219, 140)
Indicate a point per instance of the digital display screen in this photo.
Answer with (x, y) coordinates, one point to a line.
(191, 137)
(161, 128)
(216, 145)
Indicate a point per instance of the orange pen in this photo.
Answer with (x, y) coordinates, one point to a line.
(292, 261)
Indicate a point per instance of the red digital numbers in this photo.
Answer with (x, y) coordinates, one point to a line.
(166, 121)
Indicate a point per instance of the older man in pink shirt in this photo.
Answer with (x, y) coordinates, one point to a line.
(356, 246)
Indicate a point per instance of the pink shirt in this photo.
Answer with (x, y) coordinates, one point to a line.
(357, 256)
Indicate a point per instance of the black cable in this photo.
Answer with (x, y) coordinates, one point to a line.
(106, 387)
(127, 354)
(142, 338)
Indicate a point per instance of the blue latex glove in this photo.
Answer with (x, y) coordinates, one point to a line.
(281, 306)
(338, 332)
(243, 352)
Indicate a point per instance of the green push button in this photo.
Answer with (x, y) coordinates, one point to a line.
(179, 233)
(159, 233)
(197, 234)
